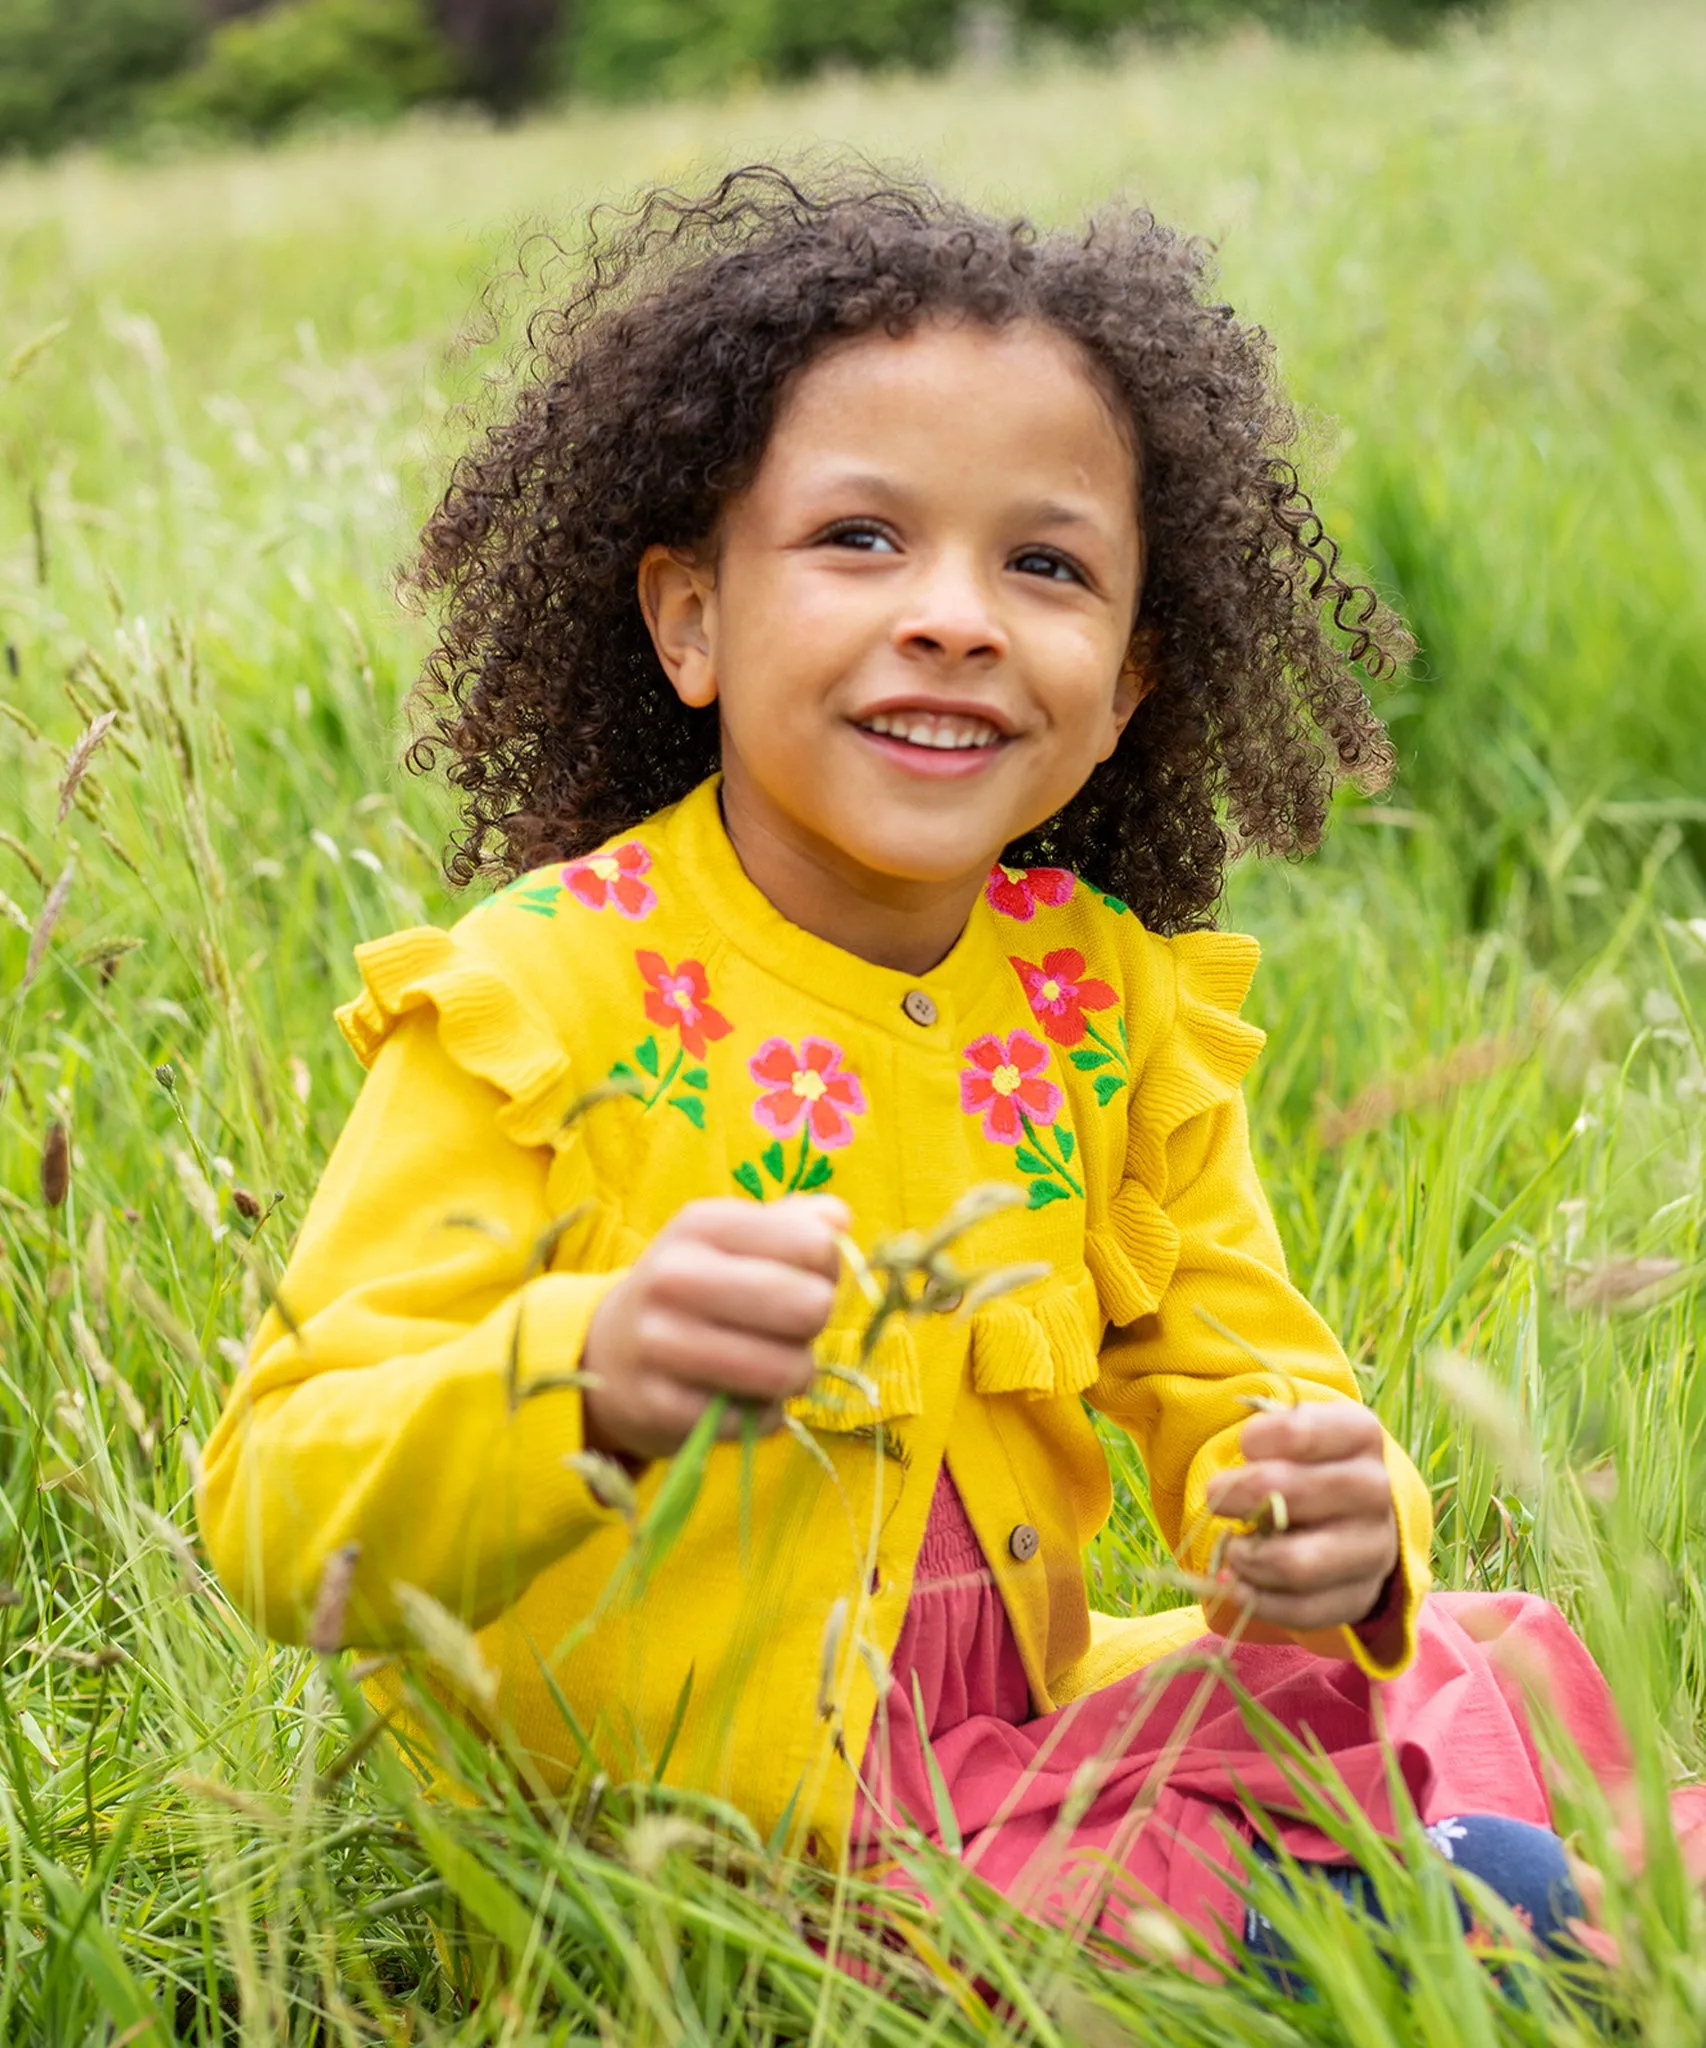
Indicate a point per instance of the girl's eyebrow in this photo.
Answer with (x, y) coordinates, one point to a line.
(1033, 512)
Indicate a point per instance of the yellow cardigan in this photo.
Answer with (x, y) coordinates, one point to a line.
(1059, 1048)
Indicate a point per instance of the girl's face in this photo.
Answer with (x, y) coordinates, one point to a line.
(916, 620)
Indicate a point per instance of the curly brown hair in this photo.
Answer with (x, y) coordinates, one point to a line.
(646, 399)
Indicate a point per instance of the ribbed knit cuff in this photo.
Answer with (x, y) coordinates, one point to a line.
(548, 1428)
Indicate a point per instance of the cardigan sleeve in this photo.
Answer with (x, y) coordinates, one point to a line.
(1200, 1244)
(380, 1407)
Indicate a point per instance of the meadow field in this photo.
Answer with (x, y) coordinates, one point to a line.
(227, 385)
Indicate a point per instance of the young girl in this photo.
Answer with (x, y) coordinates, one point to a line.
(864, 638)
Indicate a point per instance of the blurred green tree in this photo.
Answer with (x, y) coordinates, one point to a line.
(71, 69)
(362, 59)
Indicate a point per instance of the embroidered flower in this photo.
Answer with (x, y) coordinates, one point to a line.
(1443, 1833)
(678, 999)
(806, 1087)
(613, 877)
(1059, 994)
(1016, 892)
(1005, 1083)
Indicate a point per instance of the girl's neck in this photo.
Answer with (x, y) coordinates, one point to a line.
(890, 921)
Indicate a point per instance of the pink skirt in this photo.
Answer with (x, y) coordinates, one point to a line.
(1138, 1794)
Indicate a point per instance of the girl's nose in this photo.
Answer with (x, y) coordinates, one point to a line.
(949, 619)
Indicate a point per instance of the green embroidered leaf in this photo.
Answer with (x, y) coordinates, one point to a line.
(696, 1077)
(690, 1107)
(1028, 1161)
(1107, 1087)
(747, 1180)
(1045, 1191)
(1066, 1141)
(816, 1174)
(1114, 904)
(538, 909)
(772, 1157)
(647, 1055)
(1087, 1059)
(547, 892)
(621, 1071)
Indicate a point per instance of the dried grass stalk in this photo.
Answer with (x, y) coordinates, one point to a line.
(77, 762)
(50, 913)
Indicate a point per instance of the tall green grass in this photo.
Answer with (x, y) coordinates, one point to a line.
(1482, 1113)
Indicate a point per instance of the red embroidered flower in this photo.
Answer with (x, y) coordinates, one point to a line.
(1016, 892)
(1059, 994)
(676, 999)
(806, 1086)
(613, 877)
(1002, 1083)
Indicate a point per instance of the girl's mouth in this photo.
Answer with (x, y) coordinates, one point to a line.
(938, 746)
(948, 732)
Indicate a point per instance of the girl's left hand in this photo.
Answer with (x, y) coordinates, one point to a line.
(1328, 1569)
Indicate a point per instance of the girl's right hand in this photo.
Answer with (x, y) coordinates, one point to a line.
(726, 1299)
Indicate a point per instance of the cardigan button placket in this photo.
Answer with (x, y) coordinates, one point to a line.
(919, 1006)
(1024, 1543)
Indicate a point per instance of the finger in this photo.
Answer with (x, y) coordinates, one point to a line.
(1318, 1432)
(799, 1230)
(1330, 1607)
(1313, 1560)
(766, 1296)
(1355, 1489)
(696, 1353)
(657, 1417)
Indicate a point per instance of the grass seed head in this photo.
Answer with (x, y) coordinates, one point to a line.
(77, 762)
(50, 914)
(331, 1603)
(607, 1482)
(56, 1165)
(448, 1643)
(829, 1657)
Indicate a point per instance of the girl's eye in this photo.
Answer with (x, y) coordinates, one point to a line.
(859, 535)
(1045, 562)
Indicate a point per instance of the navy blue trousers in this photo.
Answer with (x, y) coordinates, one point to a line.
(1525, 1865)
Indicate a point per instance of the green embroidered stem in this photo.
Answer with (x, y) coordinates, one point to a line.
(1060, 1169)
(1113, 1051)
(656, 1096)
(804, 1159)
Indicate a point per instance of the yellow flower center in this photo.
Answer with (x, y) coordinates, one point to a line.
(1050, 991)
(682, 998)
(1005, 1080)
(604, 867)
(1012, 874)
(808, 1084)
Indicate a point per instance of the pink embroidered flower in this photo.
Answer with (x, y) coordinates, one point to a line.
(1004, 1083)
(677, 999)
(1016, 892)
(806, 1086)
(1059, 994)
(613, 877)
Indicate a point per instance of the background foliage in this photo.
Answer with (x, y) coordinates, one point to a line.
(72, 70)
(227, 387)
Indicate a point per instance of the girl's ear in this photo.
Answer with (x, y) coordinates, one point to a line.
(677, 594)
(1136, 680)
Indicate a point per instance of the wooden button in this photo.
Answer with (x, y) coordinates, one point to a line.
(921, 1008)
(1024, 1542)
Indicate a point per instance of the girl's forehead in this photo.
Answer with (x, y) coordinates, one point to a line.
(1023, 388)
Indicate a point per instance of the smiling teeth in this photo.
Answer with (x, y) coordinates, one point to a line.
(934, 729)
